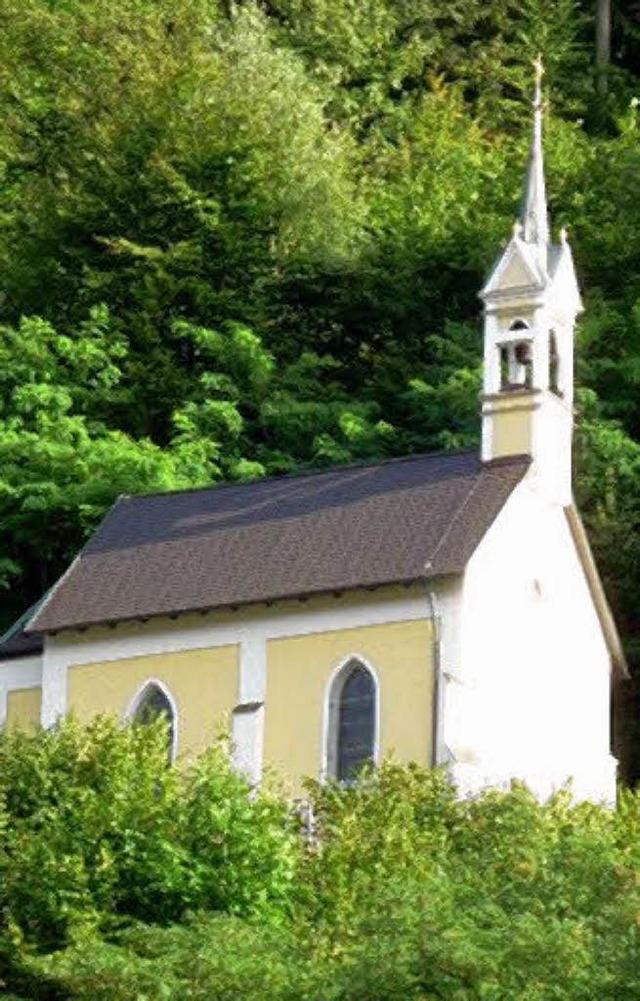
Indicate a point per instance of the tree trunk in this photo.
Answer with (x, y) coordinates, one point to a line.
(603, 45)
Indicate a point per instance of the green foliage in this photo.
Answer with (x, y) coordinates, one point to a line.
(409, 893)
(421, 895)
(96, 827)
(209, 958)
(61, 466)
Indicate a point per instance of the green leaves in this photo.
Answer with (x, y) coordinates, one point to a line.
(96, 827)
(408, 893)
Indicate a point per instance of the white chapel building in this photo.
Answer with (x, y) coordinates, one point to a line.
(443, 608)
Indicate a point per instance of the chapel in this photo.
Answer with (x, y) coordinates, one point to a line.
(442, 608)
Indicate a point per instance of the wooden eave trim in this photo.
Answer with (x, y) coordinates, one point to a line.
(603, 609)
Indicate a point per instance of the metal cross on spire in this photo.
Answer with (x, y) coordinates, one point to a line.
(534, 218)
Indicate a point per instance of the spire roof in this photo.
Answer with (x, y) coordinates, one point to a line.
(533, 217)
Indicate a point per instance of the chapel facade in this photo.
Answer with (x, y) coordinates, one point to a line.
(443, 608)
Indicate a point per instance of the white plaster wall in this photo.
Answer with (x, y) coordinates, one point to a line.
(532, 696)
(552, 446)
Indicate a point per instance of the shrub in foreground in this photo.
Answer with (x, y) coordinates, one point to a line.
(501, 898)
(95, 827)
(407, 893)
(207, 958)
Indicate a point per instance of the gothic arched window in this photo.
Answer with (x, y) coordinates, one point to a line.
(152, 703)
(353, 715)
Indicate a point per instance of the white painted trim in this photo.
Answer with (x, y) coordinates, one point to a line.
(329, 714)
(251, 634)
(487, 435)
(54, 686)
(137, 700)
(248, 734)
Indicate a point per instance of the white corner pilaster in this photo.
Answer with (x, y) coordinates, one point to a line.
(449, 611)
(247, 740)
(252, 684)
(247, 726)
(54, 685)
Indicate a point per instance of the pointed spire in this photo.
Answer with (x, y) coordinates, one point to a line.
(535, 223)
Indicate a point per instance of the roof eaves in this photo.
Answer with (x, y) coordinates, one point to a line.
(17, 641)
(234, 606)
(603, 609)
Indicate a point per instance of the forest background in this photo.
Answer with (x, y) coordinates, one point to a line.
(244, 239)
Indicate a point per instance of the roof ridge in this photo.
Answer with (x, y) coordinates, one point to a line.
(307, 473)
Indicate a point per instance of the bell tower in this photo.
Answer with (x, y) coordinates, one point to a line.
(531, 301)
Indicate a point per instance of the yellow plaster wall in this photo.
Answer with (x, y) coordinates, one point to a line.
(23, 709)
(512, 432)
(204, 684)
(299, 668)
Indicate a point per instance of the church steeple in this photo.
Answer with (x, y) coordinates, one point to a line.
(531, 303)
(534, 217)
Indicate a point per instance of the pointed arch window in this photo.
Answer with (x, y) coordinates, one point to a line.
(353, 721)
(554, 364)
(154, 702)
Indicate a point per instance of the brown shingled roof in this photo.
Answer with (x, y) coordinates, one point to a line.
(21, 644)
(16, 642)
(351, 527)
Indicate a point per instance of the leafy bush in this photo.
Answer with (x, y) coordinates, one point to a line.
(419, 895)
(408, 894)
(95, 826)
(210, 958)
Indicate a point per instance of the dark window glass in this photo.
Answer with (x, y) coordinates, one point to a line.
(554, 364)
(154, 705)
(356, 722)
